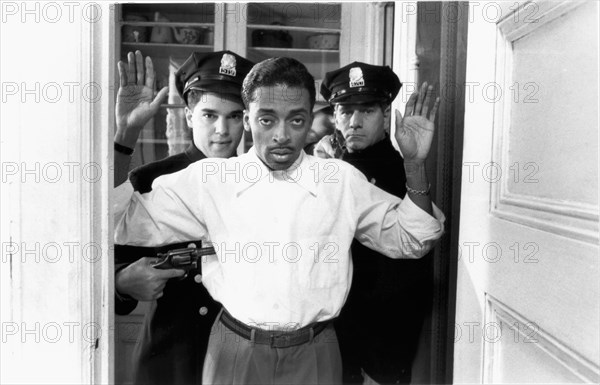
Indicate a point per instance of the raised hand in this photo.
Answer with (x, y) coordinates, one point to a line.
(136, 103)
(414, 131)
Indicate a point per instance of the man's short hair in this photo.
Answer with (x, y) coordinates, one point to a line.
(193, 97)
(283, 71)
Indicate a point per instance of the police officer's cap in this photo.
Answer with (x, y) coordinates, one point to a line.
(360, 83)
(221, 72)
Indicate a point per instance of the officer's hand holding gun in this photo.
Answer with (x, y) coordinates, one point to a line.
(142, 281)
(145, 279)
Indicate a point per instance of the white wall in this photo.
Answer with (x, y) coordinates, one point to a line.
(55, 181)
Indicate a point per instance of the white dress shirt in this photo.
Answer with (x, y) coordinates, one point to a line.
(282, 238)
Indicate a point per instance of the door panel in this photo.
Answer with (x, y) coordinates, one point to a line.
(527, 291)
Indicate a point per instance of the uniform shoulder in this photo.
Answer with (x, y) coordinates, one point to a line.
(142, 177)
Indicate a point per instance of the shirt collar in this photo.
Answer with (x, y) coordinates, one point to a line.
(255, 171)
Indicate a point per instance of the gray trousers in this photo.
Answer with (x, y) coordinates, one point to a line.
(231, 359)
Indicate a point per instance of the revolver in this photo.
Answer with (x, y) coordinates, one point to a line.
(187, 259)
(338, 143)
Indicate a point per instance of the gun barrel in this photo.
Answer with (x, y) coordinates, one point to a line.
(203, 251)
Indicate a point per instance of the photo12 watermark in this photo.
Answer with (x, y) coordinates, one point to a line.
(52, 12)
(325, 171)
(276, 251)
(471, 92)
(53, 252)
(50, 332)
(495, 252)
(323, 14)
(472, 11)
(493, 172)
(50, 172)
(50, 92)
(494, 332)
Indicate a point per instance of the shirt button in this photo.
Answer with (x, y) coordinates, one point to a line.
(198, 278)
(203, 310)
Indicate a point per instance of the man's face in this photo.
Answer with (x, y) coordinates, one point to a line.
(216, 124)
(361, 124)
(279, 118)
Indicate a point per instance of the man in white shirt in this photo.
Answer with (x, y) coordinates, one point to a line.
(281, 272)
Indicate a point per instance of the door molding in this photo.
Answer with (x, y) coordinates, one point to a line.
(570, 219)
(498, 315)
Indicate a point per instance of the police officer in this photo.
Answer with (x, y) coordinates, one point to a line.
(379, 326)
(175, 334)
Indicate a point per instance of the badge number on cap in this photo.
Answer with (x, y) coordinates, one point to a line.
(227, 65)
(356, 77)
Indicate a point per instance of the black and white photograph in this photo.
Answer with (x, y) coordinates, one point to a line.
(306, 192)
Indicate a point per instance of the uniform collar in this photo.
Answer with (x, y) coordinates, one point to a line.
(193, 153)
(380, 149)
(254, 171)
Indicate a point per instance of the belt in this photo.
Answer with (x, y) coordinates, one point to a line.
(275, 339)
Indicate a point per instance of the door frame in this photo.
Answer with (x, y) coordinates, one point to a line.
(97, 122)
(98, 41)
(447, 71)
(453, 66)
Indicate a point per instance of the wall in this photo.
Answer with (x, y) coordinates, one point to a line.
(55, 181)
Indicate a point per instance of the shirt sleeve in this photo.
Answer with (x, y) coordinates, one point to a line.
(394, 227)
(170, 213)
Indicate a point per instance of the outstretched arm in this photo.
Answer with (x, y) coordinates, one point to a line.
(136, 105)
(414, 133)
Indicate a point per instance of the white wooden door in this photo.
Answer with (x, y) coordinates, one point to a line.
(56, 324)
(527, 292)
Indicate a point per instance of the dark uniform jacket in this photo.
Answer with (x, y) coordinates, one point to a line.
(379, 326)
(176, 329)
